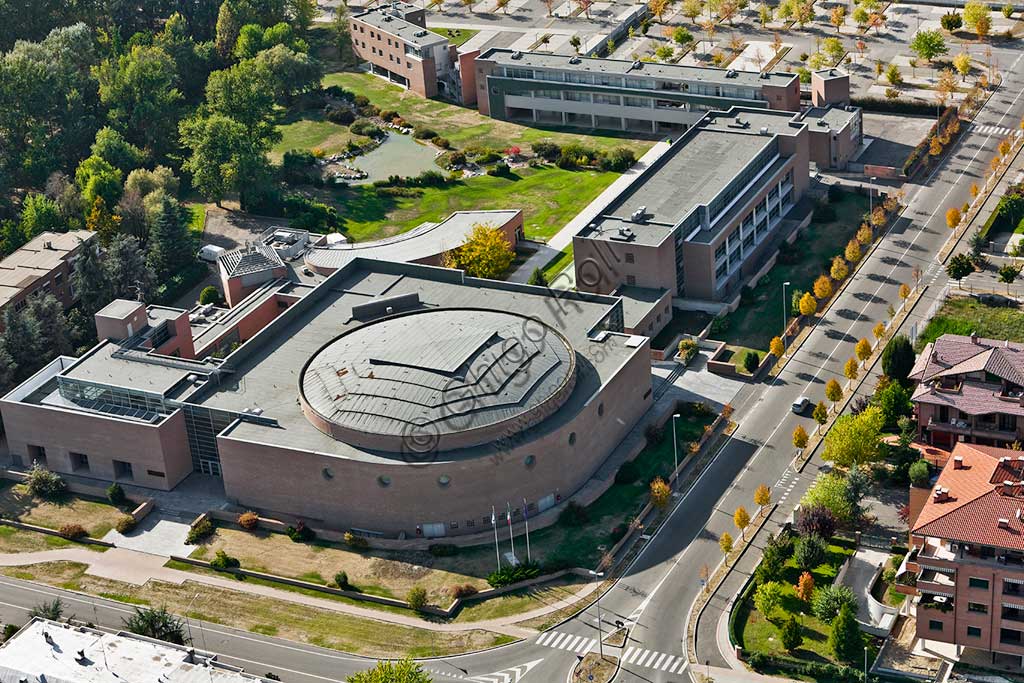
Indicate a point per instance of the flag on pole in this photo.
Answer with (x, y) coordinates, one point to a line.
(494, 525)
(511, 537)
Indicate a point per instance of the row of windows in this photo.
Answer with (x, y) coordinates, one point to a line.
(123, 470)
(583, 78)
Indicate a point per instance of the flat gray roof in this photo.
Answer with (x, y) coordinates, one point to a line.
(637, 302)
(676, 72)
(389, 22)
(836, 118)
(119, 308)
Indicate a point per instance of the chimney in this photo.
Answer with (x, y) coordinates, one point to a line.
(958, 462)
(1004, 523)
(974, 337)
(941, 495)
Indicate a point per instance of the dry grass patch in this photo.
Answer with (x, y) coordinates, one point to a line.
(525, 600)
(20, 541)
(260, 614)
(97, 517)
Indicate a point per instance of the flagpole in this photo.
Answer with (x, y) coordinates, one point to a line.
(494, 525)
(511, 538)
(526, 519)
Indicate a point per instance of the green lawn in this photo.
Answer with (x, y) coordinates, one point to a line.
(455, 36)
(558, 263)
(549, 197)
(757, 634)
(307, 130)
(963, 315)
(466, 127)
(197, 218)
(739, 356)
(759, 316)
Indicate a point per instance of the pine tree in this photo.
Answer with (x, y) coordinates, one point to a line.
(54, 337)
(170, 245)
(20, 341)
(126, 269)
(90, 282)
(792, 635)
(844, 640)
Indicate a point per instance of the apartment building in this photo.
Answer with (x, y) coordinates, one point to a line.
(970, 390)
(702, 219)
(966, 566)
(615, 94)
(393, 38)
(43, 265)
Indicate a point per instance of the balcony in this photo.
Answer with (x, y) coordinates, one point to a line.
(1011, 614)
(936, 603)
(973, 427)
(929, 580)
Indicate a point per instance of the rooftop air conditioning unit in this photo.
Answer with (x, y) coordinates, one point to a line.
(637, 65)
(575, 59)
(517, 55)
(764, 130)
(731, 73)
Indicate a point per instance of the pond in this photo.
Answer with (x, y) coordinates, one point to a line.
(397, 155)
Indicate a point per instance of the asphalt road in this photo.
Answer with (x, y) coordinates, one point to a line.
(657, 590)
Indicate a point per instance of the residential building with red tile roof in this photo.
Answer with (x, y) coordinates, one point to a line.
(966, 566)
(970, 390)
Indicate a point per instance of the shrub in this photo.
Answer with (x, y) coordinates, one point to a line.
(751, 361)
(619, 160)
(809, 552)
(115, 494)
(199, 531)
(654, 434)
(422, 133)
(355, 541)
(209, 295)
(920, 474)
(792, 635)
(628, 473)
(688, 349)
(462, 590)
(9, 631)
(388, 114)
(73, 531)
(828, 600)
(417, 597)
(125, 524)
(500, 170)
(341, 580)
(300, 533)
(360, 100)
(248, 520)
(224, 561)
(42, 483)
(816, 520)
(510, 574)
(443, 549)
(574, 514)
(485, 158)
(548, 151)
(443, 143)
(340, 115)
(364, 127)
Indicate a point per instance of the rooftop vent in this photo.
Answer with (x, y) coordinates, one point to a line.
(958, 462)
(941, 495)
(823, 123)
(1004, 523)
(388, 17)
(638, 215)
(517, 55)
(764, 130)
(420, 34)
(637, 65)
(731, 73)
(765, 75)
(575, 59)
(80, 655)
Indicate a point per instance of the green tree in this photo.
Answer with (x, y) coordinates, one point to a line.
(682, 36)
(854, 439)
(751, 362)
(977, 15)
(54, 337)
(959, 267)
(1008, 273)
(791, 635)
(898, 358)
(140, 92)
(170, 243)
(929, 44)
(829, 491)
(54, 610)
(767, 598)
(920, 474)
(894, 402)
(404, 671)
(228, 26)
(809, 552)
(250, 41)
(417, 597)
(951, 21)
(833, 47)
(893, 75)
(244, 94)
(302, 13)
(97, 178)
(126, 270)
(537, 278)
(111, 146)
(145, 182)
(39, 213)
(845, 640)
(157, 623)
(90, 282)
(486, 254)
(288, 73)
(216, 143)
(20, 342)
(210, 295)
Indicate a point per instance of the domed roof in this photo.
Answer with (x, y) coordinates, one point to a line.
(440, 379)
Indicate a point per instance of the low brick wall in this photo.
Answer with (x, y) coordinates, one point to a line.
(53, 532)
(143, 509)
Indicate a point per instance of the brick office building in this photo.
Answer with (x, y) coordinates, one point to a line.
(43, 265)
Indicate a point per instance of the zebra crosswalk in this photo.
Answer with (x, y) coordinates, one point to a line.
(636, 656)
(1001, 131)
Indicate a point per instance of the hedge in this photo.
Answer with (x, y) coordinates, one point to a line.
(884, 104)
(920, 156)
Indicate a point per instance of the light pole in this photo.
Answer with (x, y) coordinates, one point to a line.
(871, 195)
(784, 316)
(865, 665)
(187, 624)
(600, 631)
(675, 444)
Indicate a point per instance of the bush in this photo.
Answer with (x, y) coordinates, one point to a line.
(126, 524)
(340, 115)
(509, 574)
(828, 600)
(73, 531)
(199, 531)
(619, 160)
(809, 552)
(364, 127)
(443, 143)
(209, 295)
(485, 158)
(300, 533)
(115, 494)
(816, 520)
(751, 361)
(654, 434)
(42, 483)
(9, 631)
(388, 114)
(574, 514)
(422, 133)
(224, 561)
(628, 473)
(688, 350)
(443, 549)
(500, 170)
(549, 151)
(417, 598)
(920, 474)
(462, 590)
(355, 541)
(341, 580)
(249, 520)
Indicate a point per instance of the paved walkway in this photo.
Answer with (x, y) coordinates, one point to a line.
(859, 573)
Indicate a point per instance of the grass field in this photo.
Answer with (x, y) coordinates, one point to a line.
(758, 634)
(759, 316)
(268, 616)
(558, 263)
(97, 517)
(466, 127)
(521, 601)
(309, 129)
(549, 197)
(455, 36)
(964, 315)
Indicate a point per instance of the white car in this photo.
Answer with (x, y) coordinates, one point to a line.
(210, 253)
(801, 405)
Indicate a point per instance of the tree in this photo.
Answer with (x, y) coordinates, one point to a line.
(837, 17)
(863, 350)
(404, 671)
(170, 243)
(861, 15)
(833, 392)
(762, 495)
(850, 369)
(978, 16)
(791, 635)
(725, 543)
(157, 623)
(54, 337)
(244, 93)
(929, 44)
(661, 493)
(751, 362)
(865, 234)
(854, 439)
(210, 295)
(799, 437)
(537, 278)
(839, 269)
(959, 267)
(816, 520)
(834, 48)
(126, 270)
(952, 217)
(741, 518)
(920, 474)
(657, 8)
(95, 177)
(878, 331)
(935, 147)
(852, 251)
(682, 36)
(302, 13)
(805, 587)
(111, 146)
(89, 280)
(764, 15)
(904, 291)
(486, 254)
(228, 27)
(962, 64)
(767, 598)
(1007, 274)
(250, 41)
(39, 214)
(823, 287)
(20, 343)
(102, 222)
(845, 640)
(829, 492)
(808, 304)
(219, 146)
(664, 53)
(945, 87)
(894, 402)
(691, 9)
(145, 182)
(951, 21)
(53, 610)
(776, 347)
(820, 414)
(809, 552)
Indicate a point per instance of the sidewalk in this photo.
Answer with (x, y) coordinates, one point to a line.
(720, 675)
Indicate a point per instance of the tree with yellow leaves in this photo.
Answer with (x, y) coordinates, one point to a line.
(1004, 148)
(808, 304)
(935, 147)
(850, 369)
(762, 495)
(776, 347)
(839, 269)
(741, 518)
(661, 494)
(725, 543)
(953, 217)
(852, 251)
(974, 190)
(865, 234)
(863, 350)
(823, 287)
(486, 254)
(799, 437)
(833, 392)
(878, 330)
(904, 291)
(805, 587)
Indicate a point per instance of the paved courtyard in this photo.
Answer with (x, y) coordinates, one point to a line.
(158, 534)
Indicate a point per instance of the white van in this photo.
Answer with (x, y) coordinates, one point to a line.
(210, 253)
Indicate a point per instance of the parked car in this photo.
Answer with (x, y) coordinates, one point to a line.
(210, 253)
(801, 405)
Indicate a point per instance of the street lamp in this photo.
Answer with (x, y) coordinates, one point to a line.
(871, 195)
(600, 631)
(784, 316)
(675, 444)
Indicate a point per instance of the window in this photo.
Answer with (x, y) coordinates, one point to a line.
(122, 470)
(572, 439)
(630, 258)
(630, 280)
(977, 607)
(974, 632)
(975, 582)
(79, 462)
(470, 523)
(37, 454)
(934, 625)
(155, 473)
